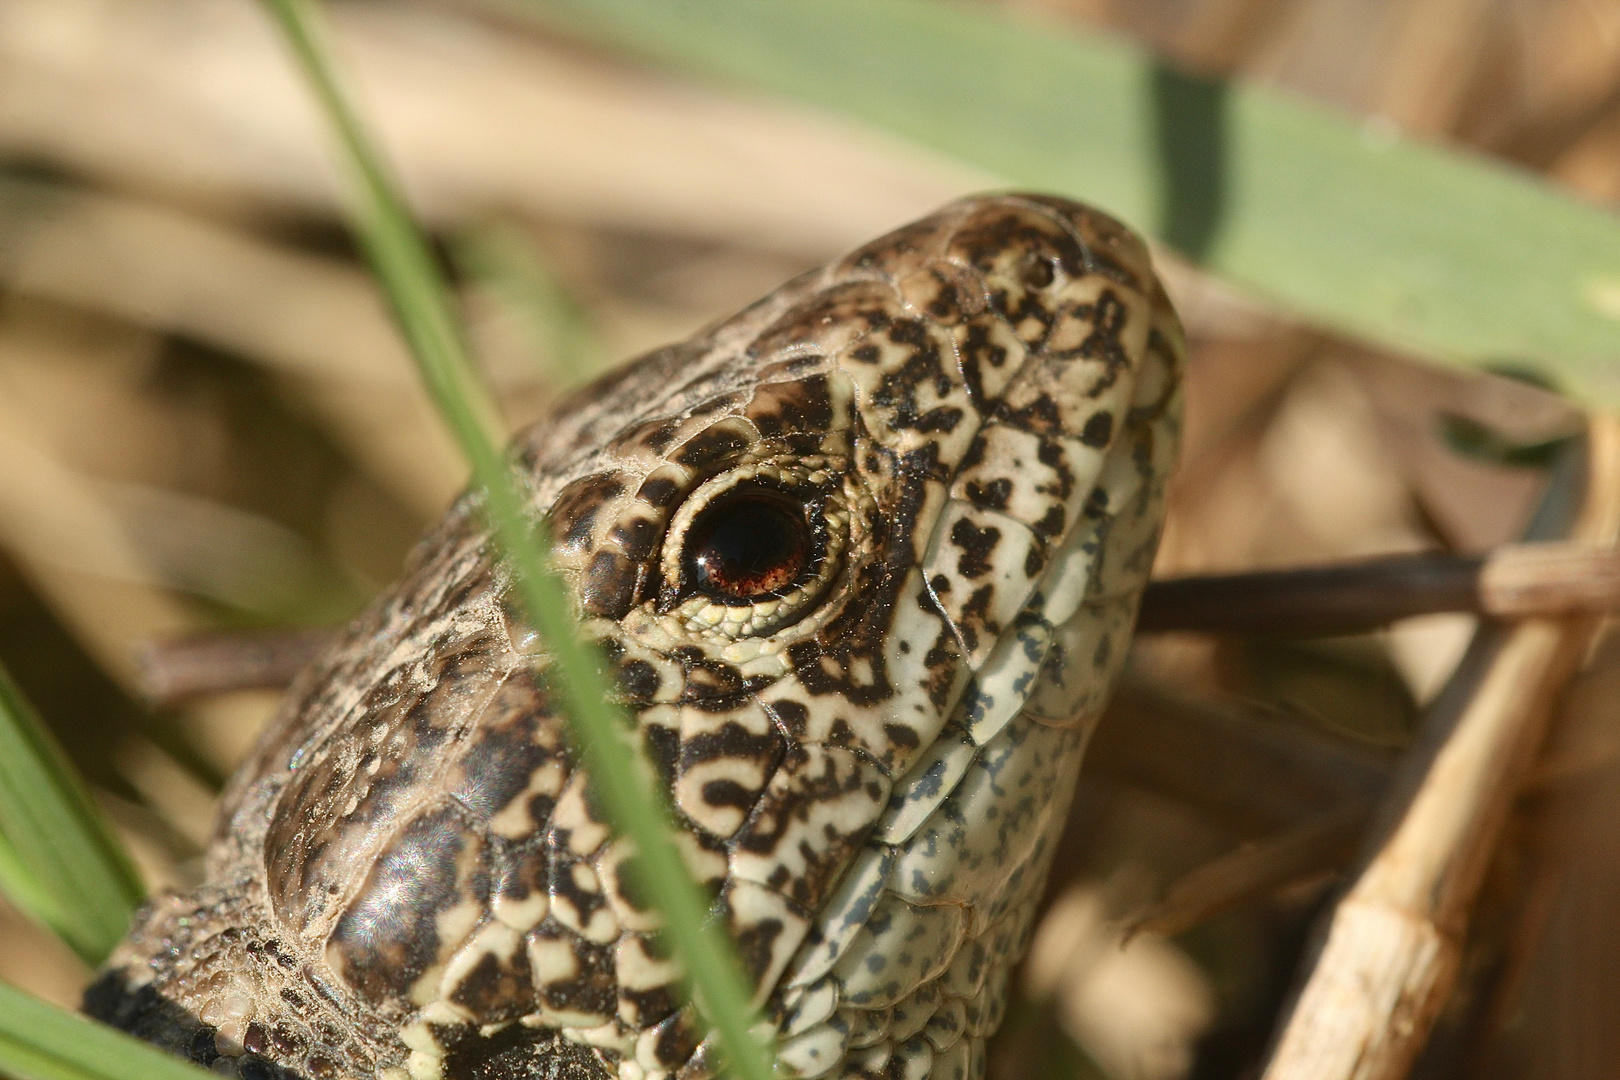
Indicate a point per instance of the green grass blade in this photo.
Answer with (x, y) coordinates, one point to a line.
(1406, 244)
(501, 258)
(22, 887)
(61, 863)
(400, 257)
(38, 1041)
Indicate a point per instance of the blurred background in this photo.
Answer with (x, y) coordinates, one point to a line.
(208, 422)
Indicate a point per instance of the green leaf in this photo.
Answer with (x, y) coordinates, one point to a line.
(423, 306)
(1344, 222)
(38, 1041)
(59, 861)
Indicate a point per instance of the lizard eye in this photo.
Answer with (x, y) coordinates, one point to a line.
(751, 543)
(753, 551)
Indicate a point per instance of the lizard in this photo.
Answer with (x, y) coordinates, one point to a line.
(863, 562)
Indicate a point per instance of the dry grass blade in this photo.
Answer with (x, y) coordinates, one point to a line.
(1520, 580)
(1313, 847)
(420, 297)
(314, 318)
(1394, 946)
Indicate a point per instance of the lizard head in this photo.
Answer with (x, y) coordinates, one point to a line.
(863, 560)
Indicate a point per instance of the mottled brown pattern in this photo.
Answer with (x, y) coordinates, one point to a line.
(869, 759)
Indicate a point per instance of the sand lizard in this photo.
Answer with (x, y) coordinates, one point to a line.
(864, 561)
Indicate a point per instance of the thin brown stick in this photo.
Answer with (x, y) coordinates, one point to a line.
(1525, 580)
(1517, 580)
(1314, 847)
(1207, 752)
(178, 669)
(1394, 946)
(1513, 581)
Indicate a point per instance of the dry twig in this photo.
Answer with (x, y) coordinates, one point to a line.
(1316, 846)
(1206, 751)
(1393, 949)
(178, 669)
(1513, 581)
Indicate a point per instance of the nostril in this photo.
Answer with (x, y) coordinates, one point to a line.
(1040, 271)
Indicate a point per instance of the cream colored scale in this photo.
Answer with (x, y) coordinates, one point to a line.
(909, 963)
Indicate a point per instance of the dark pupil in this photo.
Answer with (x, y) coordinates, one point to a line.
(750, 544)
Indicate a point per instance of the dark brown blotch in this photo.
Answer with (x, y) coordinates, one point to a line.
(1038, 416)
(828, 318)
(659, 491)
(977, 353)
(990, 496)
(637, 535)
(800, 405)
(676, 1039)
(809, 778)
(1014, 233)
(574, 515)
(897, 392)
(565, 889)
(525, 869)
(852, 666)
(515, 736)
(612, 584)
(639, 681)
(902, 736)
(519, 1052)
(593, 988)
(662, 745)
(977, 544)
(791, 717)
(712, 682)
(641, 1009)
(975, 618)
(348, 793)
(655, 436)
(499, 988)
(1109, 316)
(1098, 430)
(388, 937)
(1050, 526)
(715, 443)
(897, 251)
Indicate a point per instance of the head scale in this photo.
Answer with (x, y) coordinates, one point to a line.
(864, 560)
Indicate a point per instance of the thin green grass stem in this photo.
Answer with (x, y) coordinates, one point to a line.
(423, 305)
